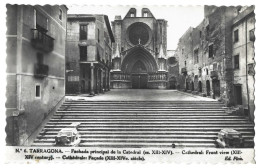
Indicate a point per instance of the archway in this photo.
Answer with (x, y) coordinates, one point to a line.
(192, 86)
(139, 53)
(200, 86)
(208, 87)
(216, 88)
(139, 63)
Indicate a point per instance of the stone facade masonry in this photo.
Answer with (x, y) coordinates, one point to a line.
(91, 73)
(149, 53)
(35, 67)
(206, 56)
(198, 62)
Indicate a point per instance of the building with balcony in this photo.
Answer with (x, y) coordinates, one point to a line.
(243, 55)
(88, 54)
(35, 67)
(139, 52)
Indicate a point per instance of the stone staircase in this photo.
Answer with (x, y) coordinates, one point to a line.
(145, 123)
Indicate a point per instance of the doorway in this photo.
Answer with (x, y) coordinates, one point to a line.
(216, 88)
(208, 87)
(172, 82)
(200, 86)
(139, 81)
(238, 94)
(192, 86)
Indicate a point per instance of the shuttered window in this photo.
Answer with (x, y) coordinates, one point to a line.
(83, 32)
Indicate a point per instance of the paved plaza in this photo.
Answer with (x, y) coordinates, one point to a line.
(141, 95)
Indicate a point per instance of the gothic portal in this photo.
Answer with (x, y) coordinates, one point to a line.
(139, 51)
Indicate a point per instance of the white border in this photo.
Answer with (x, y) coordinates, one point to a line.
(124, 2)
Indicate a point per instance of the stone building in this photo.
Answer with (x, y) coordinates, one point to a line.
(88, 54)
(35, 67)
(205, 55)
(243, 59)
(139, 52)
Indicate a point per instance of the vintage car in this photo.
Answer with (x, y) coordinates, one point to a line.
(68, 136)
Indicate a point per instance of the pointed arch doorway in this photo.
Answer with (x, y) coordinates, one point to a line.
(139, 76)
(139, 63)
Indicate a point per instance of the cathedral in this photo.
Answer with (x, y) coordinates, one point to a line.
(139, 51)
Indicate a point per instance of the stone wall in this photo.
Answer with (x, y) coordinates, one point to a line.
(193, 51)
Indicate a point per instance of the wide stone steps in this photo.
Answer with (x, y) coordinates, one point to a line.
(133, 145)
(145, 123)
(143, 137)
(151, 123)
(154, 129)
(146, 133)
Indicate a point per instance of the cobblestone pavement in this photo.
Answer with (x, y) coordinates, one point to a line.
(141, 95)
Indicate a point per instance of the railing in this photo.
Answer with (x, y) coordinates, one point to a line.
(41, 70)
(42, 41)
(121, 76)
(157, 77)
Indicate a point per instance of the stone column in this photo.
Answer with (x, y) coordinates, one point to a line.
(101, 81)
(92, 79)
(97, 81)
(105, 81)
(108, 78)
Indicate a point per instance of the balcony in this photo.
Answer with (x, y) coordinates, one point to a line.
(41, 70)
(184, 71)
(40, 40)
(214, 74)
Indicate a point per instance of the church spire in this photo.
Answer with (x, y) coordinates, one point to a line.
(161, 54)
(117, 54)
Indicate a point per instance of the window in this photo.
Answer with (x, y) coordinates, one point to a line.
(37, 91)
(207, 71)
(145, 14)
(215, 66)
(122, 49)
(211, 51)
(236, 36)
(185, 63)
(83, 53)
(196, 56)
(182, 51)
(252, 35)
(41, 21)
(200, 34)
(236, 62)
(83, 33)
(60, 14)
(200, 72)
(132, 15)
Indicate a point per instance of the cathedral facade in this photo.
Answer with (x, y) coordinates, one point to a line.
(139, 52)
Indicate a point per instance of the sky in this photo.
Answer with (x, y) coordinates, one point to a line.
(179, 18)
